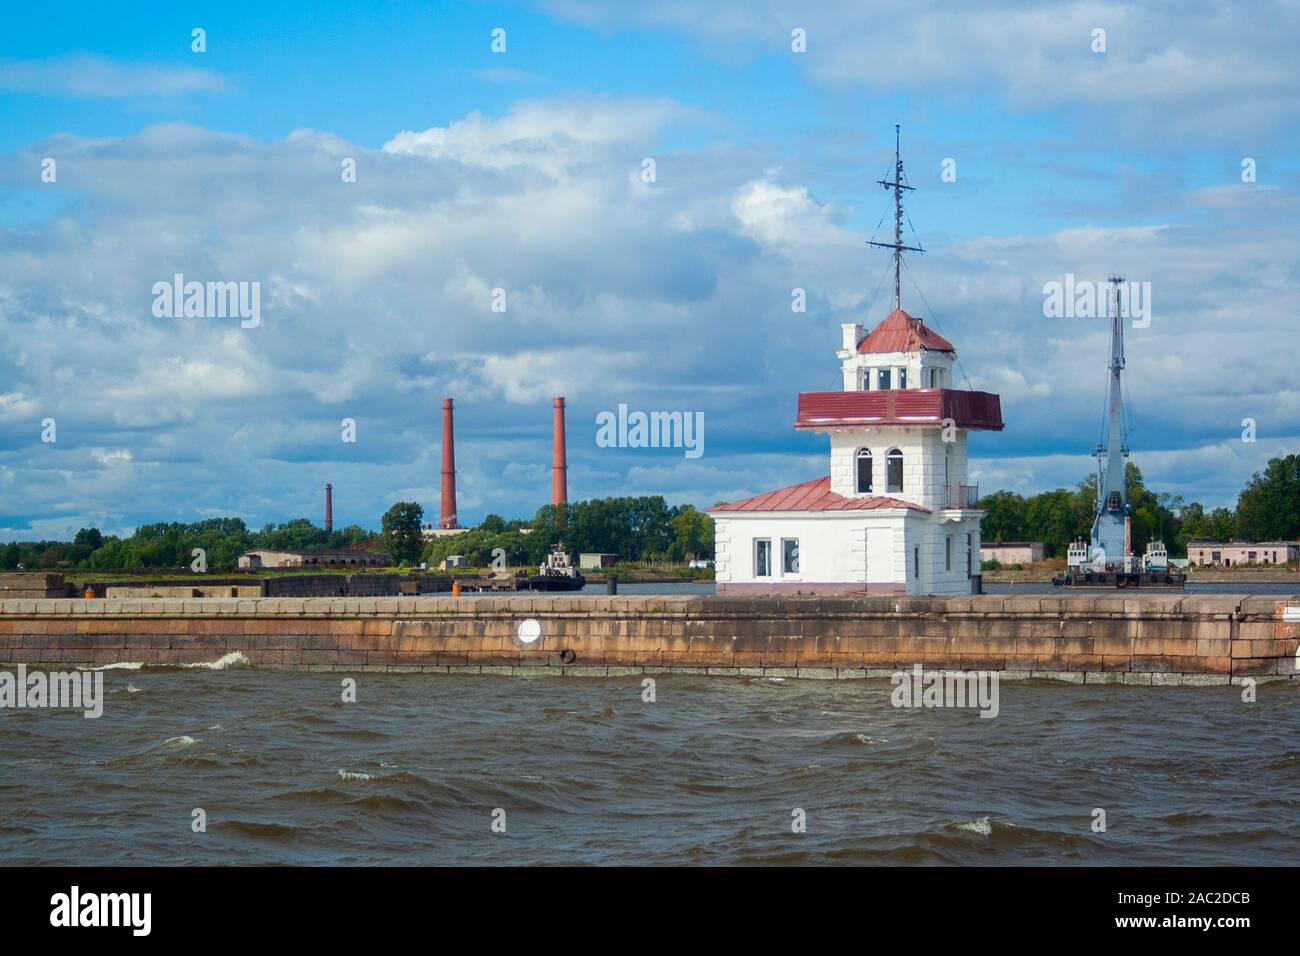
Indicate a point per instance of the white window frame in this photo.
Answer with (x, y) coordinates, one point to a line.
(757, 572)
(858, 455)
(902, 474)
(797, 556)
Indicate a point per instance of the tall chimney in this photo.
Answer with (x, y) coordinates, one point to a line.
(448, 518)
(329, 508)
(559, 463)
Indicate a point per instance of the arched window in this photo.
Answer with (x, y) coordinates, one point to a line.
(864, 471)
(894, 471)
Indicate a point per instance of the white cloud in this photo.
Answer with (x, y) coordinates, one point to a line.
(1210, 70)
(109, 457)
(776, 215)
(101, 77)
(533, 377)
(548, 136)
(16, 406)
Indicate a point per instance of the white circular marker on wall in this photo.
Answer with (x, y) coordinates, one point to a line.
(529, 631)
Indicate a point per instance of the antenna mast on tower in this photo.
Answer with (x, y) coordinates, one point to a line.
(897, 245)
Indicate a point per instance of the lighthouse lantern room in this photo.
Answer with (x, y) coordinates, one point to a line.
(898, 513)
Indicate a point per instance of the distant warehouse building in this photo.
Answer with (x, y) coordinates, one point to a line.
(430, 531)
(592, 560)
(1227, 553)
(1012, 552)
(313, 558)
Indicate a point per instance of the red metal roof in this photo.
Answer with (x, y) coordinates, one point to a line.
(815, 495)
(900, 406)
(899, 332)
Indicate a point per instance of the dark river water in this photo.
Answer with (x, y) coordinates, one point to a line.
(586, 772)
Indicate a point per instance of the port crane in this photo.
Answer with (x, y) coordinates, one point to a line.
(1107, 559)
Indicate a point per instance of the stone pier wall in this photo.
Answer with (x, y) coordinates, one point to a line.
(1149, 638)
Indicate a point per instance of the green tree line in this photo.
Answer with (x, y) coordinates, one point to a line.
(171, 544)
(643, 528)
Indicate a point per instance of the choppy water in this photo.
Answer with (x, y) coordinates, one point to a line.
(588, 773)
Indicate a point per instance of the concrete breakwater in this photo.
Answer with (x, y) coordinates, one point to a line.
(1146, 638)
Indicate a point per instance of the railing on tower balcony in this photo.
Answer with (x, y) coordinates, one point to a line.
(963, 496)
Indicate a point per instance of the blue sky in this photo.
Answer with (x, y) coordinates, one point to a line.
(520, 170)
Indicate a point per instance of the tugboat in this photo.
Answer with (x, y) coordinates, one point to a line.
(557, 573)
(1107, 559)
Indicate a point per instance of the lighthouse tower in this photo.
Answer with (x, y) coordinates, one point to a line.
(897, 514)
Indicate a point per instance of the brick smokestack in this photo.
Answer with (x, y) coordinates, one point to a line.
(559, 462)
(448, 517)
(329, 508)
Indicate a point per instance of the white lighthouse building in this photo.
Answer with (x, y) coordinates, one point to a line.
(897, 512)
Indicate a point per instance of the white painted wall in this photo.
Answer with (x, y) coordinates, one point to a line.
(918, 365)
(924, 454)
(936, 578)
(878, 547)
(834, 546)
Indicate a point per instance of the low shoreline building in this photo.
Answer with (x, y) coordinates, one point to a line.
(428, 531)
(313, 558)
(1013, 552)
(1207, 554)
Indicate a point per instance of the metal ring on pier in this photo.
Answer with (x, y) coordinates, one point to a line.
(568, 656)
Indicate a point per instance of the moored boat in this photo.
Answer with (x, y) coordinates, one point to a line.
(557, 573)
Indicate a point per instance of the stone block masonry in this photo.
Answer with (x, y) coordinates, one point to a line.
(127, 592)
(31, 585)
(1146, 638)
